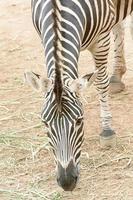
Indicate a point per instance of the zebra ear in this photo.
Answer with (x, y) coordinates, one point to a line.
(83, 82)
(36, 81)
(88, 79)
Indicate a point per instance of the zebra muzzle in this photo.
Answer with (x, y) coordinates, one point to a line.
(67, 176)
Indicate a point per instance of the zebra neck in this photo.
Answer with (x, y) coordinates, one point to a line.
(65, 64)
(62, 42)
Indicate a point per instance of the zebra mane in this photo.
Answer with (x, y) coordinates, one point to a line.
(58, 85)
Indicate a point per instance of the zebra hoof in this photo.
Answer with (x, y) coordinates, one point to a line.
(108, 139)
(116, 85)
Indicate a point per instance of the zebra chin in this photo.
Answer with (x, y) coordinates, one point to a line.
(67, 177)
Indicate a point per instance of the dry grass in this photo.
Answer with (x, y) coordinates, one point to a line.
(27, 170)
(26, 165)
(22, 155)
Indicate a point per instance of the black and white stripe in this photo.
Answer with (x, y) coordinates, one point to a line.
(66, 128)
(65, 28)
(119, 65)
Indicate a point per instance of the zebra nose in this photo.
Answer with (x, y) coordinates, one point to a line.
(67, 177)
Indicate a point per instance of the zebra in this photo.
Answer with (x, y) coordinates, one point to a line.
(66, 27)
(119, 68)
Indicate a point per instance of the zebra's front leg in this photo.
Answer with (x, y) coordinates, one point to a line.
(119, 68)
(107, 136)
(100, 53)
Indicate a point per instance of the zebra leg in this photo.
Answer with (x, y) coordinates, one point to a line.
(100, 54)
(119, 68)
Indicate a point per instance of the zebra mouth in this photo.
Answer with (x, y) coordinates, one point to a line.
(67, 183)
(67, 177)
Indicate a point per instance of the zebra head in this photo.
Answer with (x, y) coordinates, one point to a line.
(63, 118)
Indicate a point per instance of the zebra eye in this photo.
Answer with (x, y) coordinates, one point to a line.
(79, 120)
(45, 123)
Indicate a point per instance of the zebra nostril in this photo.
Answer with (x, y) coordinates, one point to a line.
(58, 181)
(76, 179)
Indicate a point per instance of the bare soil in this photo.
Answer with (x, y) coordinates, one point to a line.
(27, 170)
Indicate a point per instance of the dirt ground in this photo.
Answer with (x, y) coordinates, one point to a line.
(27, 170)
